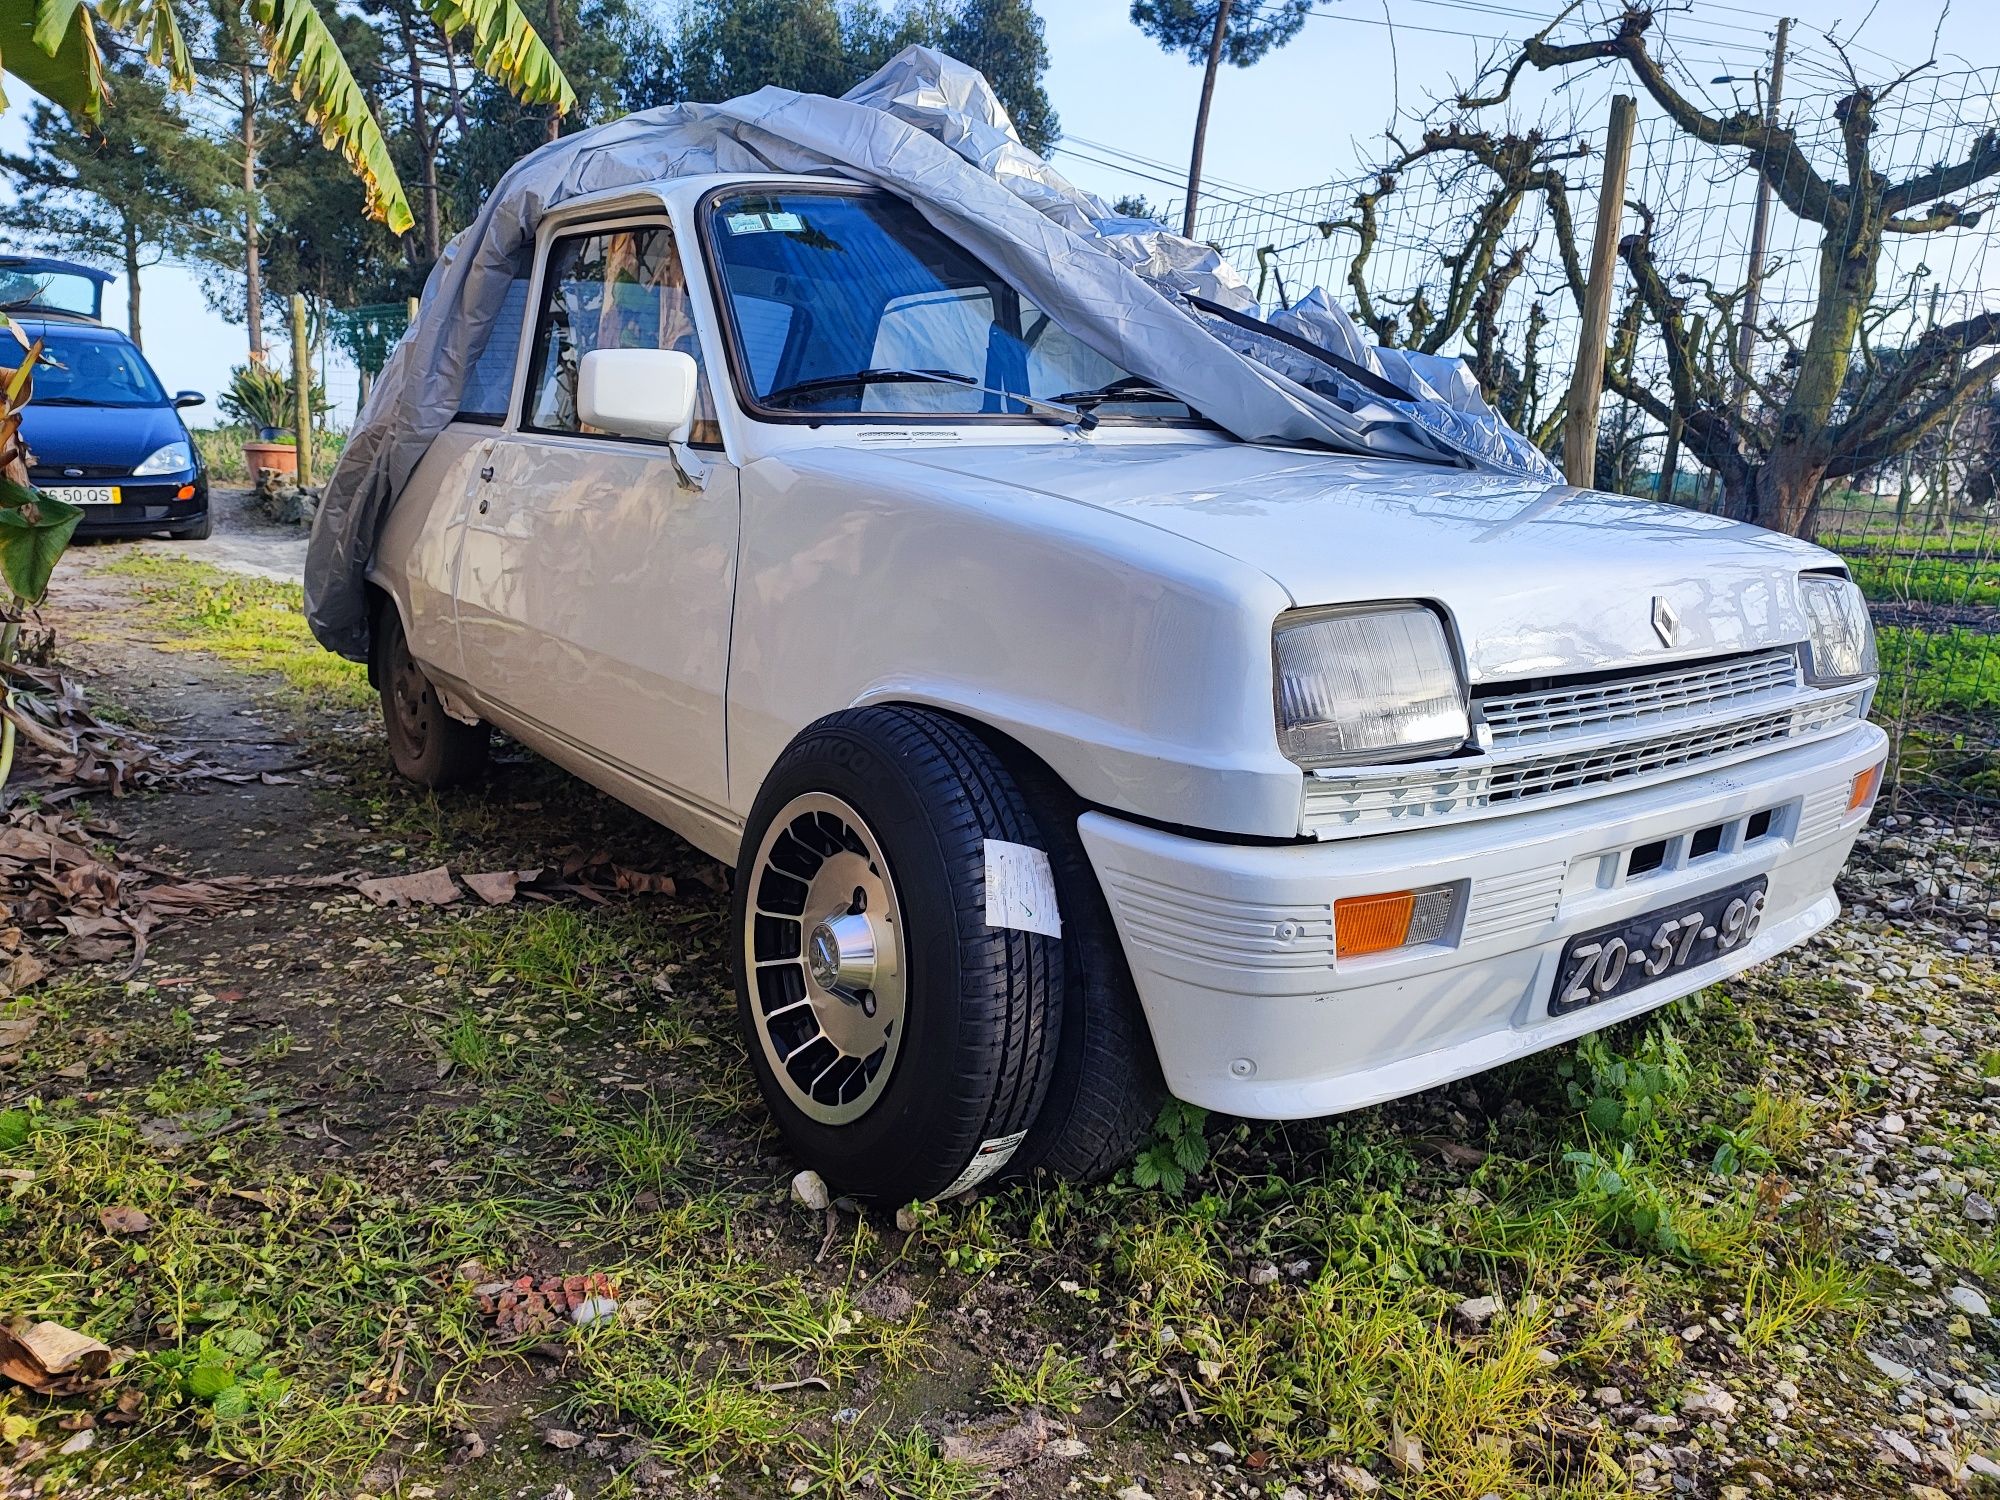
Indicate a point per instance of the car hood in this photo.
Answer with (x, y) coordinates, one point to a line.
(1540, 578)
(98, 437)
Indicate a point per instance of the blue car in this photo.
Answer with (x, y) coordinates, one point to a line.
(101, 430)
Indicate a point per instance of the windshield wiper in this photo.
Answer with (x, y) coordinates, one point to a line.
(1126, 388)
(786, 394)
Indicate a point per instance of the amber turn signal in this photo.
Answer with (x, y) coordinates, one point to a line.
(1393, 919)
(185, 492)
(1371, 924)
(1864, 789)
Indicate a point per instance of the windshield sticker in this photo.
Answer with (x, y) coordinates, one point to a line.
(786, 223)
(747, 224)
(1020, 889)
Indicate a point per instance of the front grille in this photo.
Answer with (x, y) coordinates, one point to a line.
(1697, 691)
(1548, 766)
(46, 474)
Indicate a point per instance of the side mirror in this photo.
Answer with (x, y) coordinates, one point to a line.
(641, 393)
(189, 398)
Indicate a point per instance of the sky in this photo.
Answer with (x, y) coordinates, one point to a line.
(1310, 112)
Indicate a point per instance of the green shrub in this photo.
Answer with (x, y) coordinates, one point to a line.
(259, 397)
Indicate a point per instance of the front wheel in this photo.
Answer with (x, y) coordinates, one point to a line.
(902, 1037)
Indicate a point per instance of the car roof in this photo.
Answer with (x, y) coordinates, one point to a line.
(42, 322)
(694, 185)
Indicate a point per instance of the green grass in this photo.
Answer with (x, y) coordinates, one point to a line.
(1928, 580)
(469, 1043)
(253, 623)
(270, 1327)
(580, 954)
(263, 1320)
(1944, 671)
(1781, 1302)
(1057, 1383)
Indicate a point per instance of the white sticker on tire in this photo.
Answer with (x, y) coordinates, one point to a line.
(989, 1158)
(1020, 889)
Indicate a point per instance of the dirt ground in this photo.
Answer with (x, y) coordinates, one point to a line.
(471, 1201)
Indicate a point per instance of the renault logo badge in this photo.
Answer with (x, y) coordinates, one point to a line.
(1666, 621)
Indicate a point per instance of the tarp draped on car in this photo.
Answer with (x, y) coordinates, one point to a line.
(931, 130)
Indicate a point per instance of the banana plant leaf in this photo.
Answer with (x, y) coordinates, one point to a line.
(301, 47)
(53, 50)
(34, 530)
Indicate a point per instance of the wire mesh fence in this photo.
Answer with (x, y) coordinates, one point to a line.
(354, 346)
(1475, 241)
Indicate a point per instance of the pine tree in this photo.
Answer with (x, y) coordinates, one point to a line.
(1210, 33)
(140, 188)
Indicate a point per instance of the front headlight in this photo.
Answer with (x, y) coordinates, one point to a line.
(1360, 686)
(168, 460)
(1840, 638)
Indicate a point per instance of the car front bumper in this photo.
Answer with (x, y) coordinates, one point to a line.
(1232, 946)
(146, 506)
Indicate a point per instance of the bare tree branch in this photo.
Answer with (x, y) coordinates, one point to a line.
(1773, 149)
(1981, 162)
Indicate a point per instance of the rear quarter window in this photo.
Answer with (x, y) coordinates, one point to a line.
(489, 385)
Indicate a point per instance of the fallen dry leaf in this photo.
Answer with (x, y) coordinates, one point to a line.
(640, 882)
(426, 888)
(999, 1447)
(1452, 1153)
(45, 1356)
(124, 1221)
(17, 1029)
(497, 887)
(21, 971)
(468, 1446)
(1405, 1453)
(525, 1305)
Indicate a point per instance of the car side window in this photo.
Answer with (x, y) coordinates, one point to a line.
(491, 380)
(611, 289)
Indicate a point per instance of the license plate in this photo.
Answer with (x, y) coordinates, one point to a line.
(1615, 961)
(84, 494)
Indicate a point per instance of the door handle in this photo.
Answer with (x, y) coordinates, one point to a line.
(487, 473)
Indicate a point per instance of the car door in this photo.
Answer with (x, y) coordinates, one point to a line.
(594, 585)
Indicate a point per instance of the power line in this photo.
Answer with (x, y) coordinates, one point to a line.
(1063, 148)
(1506, 12)
(1255, 204)
(1164, 165)
(1501, 13)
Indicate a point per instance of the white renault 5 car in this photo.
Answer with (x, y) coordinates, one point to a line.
(1067, 749)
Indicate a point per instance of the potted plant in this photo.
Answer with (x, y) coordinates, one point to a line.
(261, 399)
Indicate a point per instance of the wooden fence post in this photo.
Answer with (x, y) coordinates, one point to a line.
(302, 413)
(1586, 386)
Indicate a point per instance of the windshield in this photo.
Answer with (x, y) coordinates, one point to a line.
(86, 369)
(851, 303)
(27, 287)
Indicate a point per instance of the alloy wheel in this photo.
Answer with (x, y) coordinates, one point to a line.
(823, 945)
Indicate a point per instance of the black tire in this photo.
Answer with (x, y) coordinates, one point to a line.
(982, 1005)
(1107, 1089)
(200, 531)
(426, 744)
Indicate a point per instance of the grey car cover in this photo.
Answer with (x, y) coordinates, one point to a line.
(931, 130)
